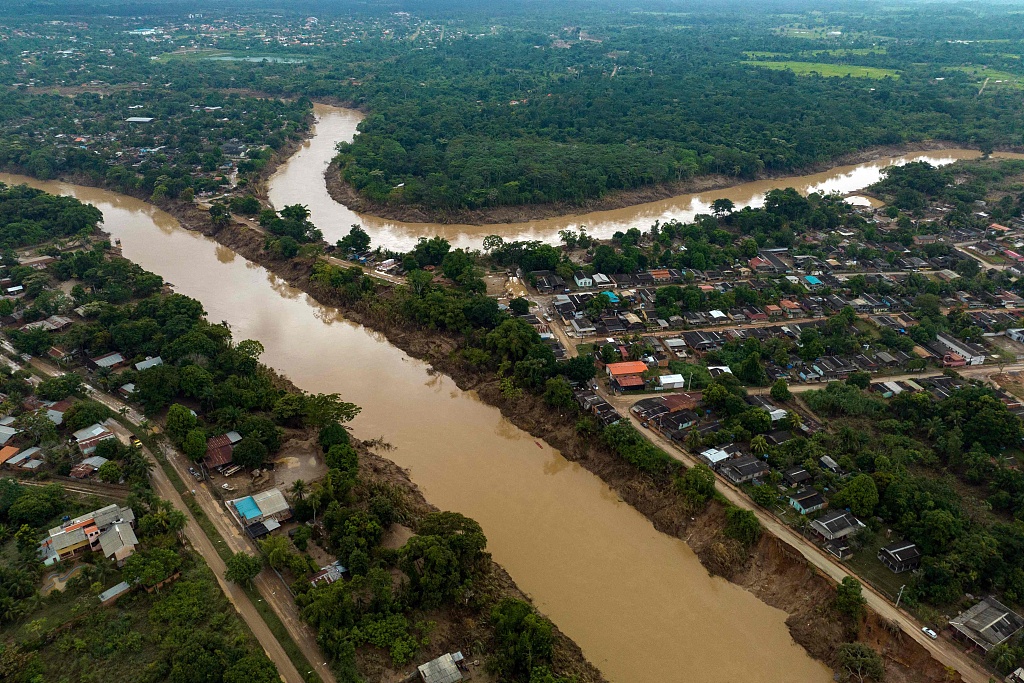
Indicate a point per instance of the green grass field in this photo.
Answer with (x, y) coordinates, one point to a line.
(996, 77)
(827, 70)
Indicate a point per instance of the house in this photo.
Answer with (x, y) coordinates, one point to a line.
(267, 508)
(582, 327)
(75, 536)
(601, 281)
(7, 453)
(583, 281)
(836, 525)
(7, 433)
(149, 363)
(1016, 677)
(220, 448)
(806, 501)
(713, 457)
(827, 463)
(672, 382)
(742, 470)
(328, 575)
(118, 542)
(796, 476)
(987, 624)
(617, 371)
(971, 353)
(444, 669)
(900, 557)
(87, 467)
(110, 360)
(89, 437)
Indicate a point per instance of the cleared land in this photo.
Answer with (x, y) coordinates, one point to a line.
(828, 70)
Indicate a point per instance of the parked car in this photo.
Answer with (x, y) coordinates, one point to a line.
(930, 633)
(195, 473)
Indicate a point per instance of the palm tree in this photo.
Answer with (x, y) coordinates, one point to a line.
(299, 489)
(794, 419)
(759, 445)
(694, 440)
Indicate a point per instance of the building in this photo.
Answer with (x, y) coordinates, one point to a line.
(149, 363)
(836, 525)
(260, 513)
(89, 437)
(900, 557)
(7, 453)
(444, 669)
(219, 449)
(742, 470)
(75, 536)
(713, 457)
(583, 281)
(807, 500)
(972, 353)
(110, 360)
(796, 476)
(328, 575)
(111, 595)
(672, 382)
(987, 624)
(118, 542)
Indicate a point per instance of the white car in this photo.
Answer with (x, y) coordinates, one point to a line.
(930, 633)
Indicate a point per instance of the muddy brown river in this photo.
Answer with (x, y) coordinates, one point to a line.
(638, 602)
(300, 181)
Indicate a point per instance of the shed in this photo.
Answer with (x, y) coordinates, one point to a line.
(149, 363)
(987, 624)
(110, 596)
(444, 669)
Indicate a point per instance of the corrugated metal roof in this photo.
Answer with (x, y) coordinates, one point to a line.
(440, 670)
(270, 502)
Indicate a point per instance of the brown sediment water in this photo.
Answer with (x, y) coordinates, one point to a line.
(638, 602)
(300, 181)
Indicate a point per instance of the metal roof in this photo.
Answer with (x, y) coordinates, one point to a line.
(117, 537)
(440, 670)
(270, 502)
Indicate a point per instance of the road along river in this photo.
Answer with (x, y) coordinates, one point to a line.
(300, 181)
(638, 602)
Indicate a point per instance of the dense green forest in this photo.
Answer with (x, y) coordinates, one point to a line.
(506, 105)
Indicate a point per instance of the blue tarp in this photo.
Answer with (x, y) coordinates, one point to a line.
(812, 280)
(611, 297)
(247, 508)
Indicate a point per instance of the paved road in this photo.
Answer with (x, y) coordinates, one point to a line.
(942, 650)
(269, 585)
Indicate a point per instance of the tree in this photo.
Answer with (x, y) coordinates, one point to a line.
(519, 306)
(558, 394)
(299, 489)
(150, 567)
(780, 391)
(110, 472)
(194, 444)
(858, 661)
(357, 240)
(697, 483)
(742, 525)
(332, 434)
(860, 494)
(243, 568)
(524, 640)
(722, 206)
(861, 380)
(759, 445)
(849, 599)
(249, 452)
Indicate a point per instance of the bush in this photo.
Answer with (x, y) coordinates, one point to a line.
(638, 451)
(742, 525)
(697, 484)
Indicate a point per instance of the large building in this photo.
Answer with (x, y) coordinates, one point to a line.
(108, 529)
(987, 624)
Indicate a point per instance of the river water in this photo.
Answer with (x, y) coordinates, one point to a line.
(638, 602)
(300, 181)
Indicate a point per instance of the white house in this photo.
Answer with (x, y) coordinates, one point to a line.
(583, 280)
(972, 353)
(672, 382)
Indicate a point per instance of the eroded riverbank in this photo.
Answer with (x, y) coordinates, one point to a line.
(636, 600)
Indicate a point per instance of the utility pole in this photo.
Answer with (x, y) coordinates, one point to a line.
(900, 595)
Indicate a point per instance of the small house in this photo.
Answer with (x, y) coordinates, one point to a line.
(796, 476)
(986, 624)
(444, 669)
(583, 281)
(836, 525)
(742, 470)
(807, 500)
(900, 557)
